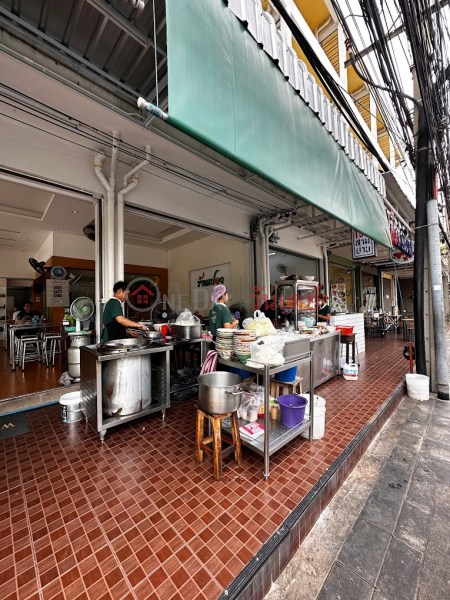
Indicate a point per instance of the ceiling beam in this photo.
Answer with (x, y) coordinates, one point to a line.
(123, 23)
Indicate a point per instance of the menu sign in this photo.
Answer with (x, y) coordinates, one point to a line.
(338, 297)
(57, 293)
(362, 246)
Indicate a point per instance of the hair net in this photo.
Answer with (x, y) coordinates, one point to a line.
(217, 292)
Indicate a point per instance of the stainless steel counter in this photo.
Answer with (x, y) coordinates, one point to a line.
(94, 366)
(325, 349)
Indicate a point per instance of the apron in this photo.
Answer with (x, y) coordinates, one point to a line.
(116, 331)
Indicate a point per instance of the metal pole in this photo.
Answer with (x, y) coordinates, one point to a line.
(266, 421)
(422, 174)
(434, 258)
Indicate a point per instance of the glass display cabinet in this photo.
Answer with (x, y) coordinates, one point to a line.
(296, 300)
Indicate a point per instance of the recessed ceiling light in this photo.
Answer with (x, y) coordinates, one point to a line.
(61, 228)
(75, 212)
(29, 240)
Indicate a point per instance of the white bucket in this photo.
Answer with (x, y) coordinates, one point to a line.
(418, 386)
(350, 372)
(71, 407)
(319, 417)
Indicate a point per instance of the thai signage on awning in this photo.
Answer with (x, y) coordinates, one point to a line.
(400, 236)
(227, 92)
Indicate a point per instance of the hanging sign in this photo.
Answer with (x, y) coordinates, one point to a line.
(57, 293)
(362, 246)
(400, 258)
(399, 235)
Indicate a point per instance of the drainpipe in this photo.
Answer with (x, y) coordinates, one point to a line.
(105, 283)
(119, 255)
(98, 270)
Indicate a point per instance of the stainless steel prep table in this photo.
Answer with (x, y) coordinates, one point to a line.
(326, 349)
(91, 362)
(278, 434)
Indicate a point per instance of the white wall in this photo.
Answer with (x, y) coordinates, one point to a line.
(207, 252)
(46, 250)
(16, 265)
(78, 246)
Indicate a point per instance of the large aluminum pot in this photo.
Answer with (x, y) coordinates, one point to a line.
(219, 392)
(186, 332)
(126, 385)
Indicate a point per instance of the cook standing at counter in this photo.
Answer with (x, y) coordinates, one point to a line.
(219, 314)
(324, 308)
(115, 324)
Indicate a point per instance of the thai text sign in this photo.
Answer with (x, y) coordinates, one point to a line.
(205, 279)
(362, 246)
(57, 293)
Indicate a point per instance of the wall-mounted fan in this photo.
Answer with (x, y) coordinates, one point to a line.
(89, 231)
(283, 269)
(39, 267)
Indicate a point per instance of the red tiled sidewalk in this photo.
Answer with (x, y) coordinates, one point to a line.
(135, 517)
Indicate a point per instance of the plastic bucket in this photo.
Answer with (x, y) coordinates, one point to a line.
(418, 386)
(241, 372)
(287, 376)
(292, 409)
(319, 417)
(71, 407)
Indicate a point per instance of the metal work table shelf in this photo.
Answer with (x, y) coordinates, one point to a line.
(92, 363)
(278, 435)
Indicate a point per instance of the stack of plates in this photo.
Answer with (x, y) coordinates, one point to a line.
(241, 344)
(224, 342)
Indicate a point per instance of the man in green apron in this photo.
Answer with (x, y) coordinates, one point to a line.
(115, 324)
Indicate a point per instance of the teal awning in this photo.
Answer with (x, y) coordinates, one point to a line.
(227, 92)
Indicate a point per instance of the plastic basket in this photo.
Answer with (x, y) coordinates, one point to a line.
(292, 409)
(286, 376)
(344, 330)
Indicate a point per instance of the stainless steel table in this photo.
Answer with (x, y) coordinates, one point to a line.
(278, 435)
(39, 327)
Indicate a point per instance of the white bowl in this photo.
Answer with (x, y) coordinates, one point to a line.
(330, 328)
(158, 326)
(309, 277)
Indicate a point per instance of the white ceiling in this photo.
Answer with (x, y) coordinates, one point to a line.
(28, 216)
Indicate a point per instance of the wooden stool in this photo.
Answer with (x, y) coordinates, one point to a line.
(277, 388)
(347, 341)
(216, 451)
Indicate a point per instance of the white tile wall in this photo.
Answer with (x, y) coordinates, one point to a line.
(355, 320)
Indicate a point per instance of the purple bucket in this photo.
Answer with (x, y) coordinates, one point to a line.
(292, 409)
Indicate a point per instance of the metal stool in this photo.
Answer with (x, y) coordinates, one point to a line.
(56, 339)
(35, 342)
(49, 354)
(202, 444)
(277, 388)
(346, 340)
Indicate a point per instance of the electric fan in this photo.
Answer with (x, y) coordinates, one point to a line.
(161, 313)
(82, 309)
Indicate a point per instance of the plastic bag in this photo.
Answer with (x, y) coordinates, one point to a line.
(268, 350)
(248, 408)
(187, 318)
(260, 324)
(65, 379)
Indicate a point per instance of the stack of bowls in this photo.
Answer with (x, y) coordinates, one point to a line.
(241, 344)
(224, 343)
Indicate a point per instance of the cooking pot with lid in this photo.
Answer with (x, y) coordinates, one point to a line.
(219, 392)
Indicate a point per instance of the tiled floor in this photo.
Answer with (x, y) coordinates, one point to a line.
(36, 377)
(135, 517)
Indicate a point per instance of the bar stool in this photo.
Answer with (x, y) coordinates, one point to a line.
(347, 340)
(54, 340)
(49, 354)
(35, 343)
(279, 388)
(203, 444)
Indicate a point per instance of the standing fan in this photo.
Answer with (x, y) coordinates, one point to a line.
(82, 309)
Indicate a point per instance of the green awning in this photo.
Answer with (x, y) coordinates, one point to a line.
(227, 92)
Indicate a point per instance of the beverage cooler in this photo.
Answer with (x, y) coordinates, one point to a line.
(297, 300)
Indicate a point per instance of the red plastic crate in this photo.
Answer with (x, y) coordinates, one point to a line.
(345, 330)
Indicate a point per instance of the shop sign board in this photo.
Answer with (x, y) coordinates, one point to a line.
(362, 246)
(202, 281)
(58, 293)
